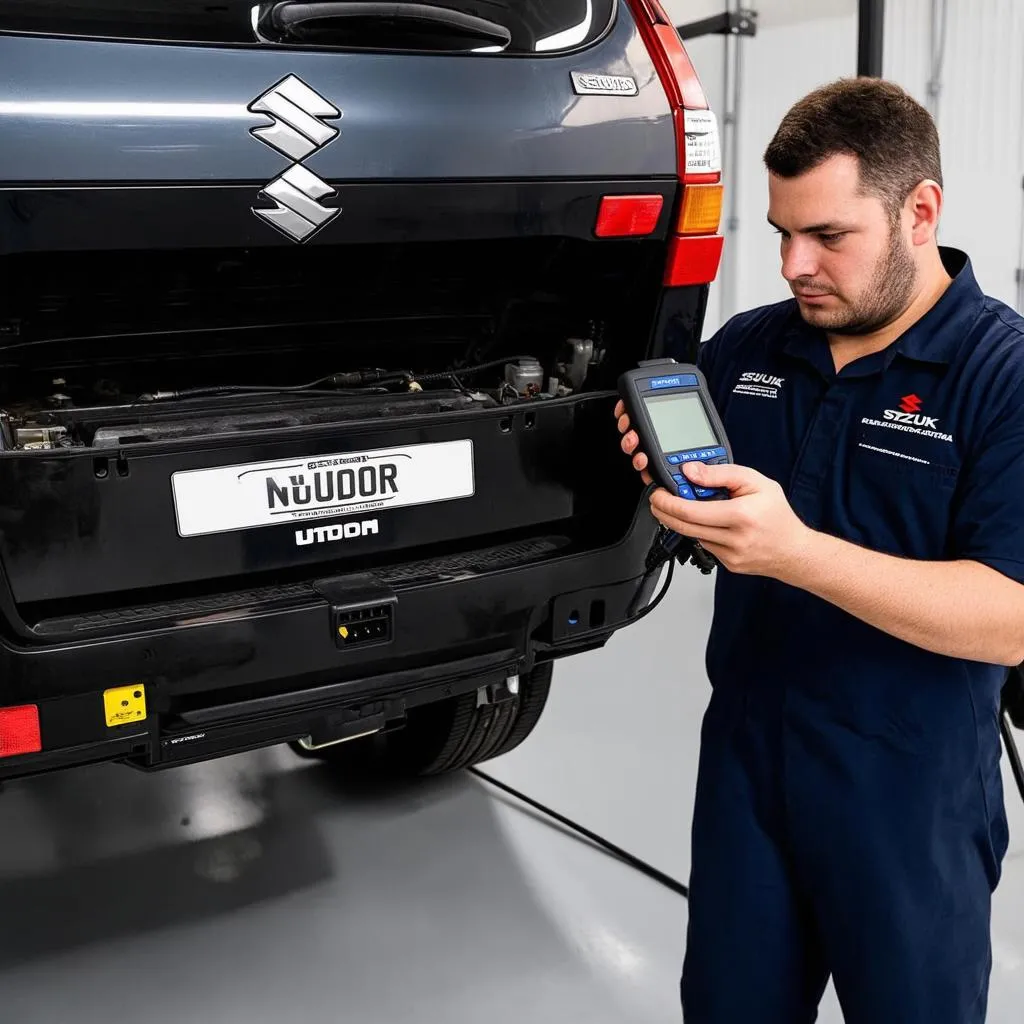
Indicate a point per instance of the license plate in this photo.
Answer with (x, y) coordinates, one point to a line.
(295, 490)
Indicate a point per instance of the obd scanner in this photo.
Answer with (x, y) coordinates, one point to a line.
(671, 411)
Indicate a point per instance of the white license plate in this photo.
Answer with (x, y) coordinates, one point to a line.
(295, 490)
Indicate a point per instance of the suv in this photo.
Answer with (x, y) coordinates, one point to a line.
(311, 316)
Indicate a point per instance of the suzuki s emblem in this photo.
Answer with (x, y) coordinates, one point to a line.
(299, 128)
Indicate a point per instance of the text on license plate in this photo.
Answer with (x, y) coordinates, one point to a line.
(270, 493)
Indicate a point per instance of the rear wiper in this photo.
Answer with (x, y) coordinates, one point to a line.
(378, 25)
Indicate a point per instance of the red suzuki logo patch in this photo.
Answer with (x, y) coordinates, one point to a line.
(910, 419)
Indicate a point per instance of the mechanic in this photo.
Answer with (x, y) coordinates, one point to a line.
(849, 814)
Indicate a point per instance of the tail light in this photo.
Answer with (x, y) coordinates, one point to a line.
(19, 731)
(695, 251)
(625, 216)
(701, 211)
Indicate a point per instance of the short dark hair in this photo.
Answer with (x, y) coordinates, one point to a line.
(893, 137)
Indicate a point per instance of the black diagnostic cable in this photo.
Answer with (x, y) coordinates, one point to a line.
(668, 881)
(1012, 753)
(466, 371)
(659, 876)
(1011, 713)
(665, 549)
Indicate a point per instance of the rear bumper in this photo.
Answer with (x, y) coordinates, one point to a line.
(260, 667)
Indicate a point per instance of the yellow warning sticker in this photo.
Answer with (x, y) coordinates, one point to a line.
(124, 705)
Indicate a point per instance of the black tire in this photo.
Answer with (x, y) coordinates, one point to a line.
(447, 736)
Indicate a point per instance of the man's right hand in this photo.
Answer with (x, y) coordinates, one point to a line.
(630, 443)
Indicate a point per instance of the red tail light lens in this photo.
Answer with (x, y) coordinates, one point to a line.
(19, 731)
(628, 216)
(693, 259)
(677, 74)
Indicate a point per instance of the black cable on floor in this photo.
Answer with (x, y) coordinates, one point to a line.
(635, 862)
(660, 555)
(668, 881)
(1012, 753)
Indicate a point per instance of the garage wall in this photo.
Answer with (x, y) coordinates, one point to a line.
(979, 107)
(799, 45)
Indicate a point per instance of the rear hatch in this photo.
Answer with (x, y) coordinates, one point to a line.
(296, 288)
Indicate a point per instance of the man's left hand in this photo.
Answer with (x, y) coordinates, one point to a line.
(755, 532)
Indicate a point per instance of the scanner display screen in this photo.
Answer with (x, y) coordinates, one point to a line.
(680, 422)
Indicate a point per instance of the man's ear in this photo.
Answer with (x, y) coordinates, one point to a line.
(923, 209)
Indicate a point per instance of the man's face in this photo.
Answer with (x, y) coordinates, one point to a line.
(850, 268)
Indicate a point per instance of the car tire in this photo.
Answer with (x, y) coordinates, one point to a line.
(446, 736)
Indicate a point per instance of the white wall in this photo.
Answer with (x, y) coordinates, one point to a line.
(981, 123)
(799, 45)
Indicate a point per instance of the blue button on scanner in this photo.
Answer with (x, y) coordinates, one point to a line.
(686, 491)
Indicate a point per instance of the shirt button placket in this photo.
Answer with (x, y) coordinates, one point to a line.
(817, 457)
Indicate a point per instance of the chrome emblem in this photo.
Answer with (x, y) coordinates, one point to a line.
(586, 83)
(299, 129)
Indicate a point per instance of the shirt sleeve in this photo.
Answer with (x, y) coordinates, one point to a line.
(988, 523)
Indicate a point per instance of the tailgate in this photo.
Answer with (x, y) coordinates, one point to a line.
(93, 524)
(207, 115)
(186, 207)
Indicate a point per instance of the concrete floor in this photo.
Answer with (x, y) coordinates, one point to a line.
(259, 888)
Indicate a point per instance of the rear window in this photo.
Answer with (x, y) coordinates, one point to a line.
(534, 26)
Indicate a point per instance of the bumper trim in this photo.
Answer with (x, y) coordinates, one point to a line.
(380, 684)
(77, 756)
(280, 597)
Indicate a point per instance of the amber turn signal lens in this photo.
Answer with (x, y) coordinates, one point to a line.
(702, 209)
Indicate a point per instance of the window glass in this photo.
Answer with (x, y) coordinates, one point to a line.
(536, 26)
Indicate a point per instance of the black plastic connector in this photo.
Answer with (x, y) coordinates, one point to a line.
(672, 545)
(362, 609)
(363, 626)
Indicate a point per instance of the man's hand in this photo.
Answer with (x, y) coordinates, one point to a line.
(631, 443)
(755, 532)
(961, 609)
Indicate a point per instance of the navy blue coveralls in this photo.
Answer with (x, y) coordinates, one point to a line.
(849, 812)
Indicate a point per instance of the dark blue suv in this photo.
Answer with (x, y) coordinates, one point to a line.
(311, 316)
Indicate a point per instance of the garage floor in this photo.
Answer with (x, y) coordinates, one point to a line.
(259, 889)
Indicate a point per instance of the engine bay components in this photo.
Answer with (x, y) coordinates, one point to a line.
(109, 413)
(526, 376)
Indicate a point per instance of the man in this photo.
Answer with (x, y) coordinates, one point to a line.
(849, 812)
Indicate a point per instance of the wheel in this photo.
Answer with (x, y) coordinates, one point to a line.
(447, 736)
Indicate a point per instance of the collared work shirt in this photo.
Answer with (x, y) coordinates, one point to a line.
(849, 812)
(915, 451)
